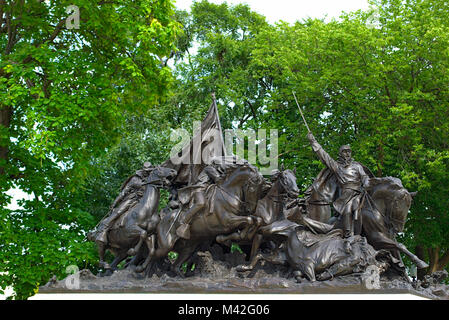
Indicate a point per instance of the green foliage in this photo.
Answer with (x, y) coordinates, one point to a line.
(64, 96)
(375, 79)
(235, 247)
(81, 111)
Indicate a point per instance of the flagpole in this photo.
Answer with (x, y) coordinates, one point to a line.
(214, 102)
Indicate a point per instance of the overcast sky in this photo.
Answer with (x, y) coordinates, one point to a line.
(292, 10)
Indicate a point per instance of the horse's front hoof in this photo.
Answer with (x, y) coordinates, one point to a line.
(131, 252)
(139, 269)
(104, 265)
(421, 265)
(243, 268)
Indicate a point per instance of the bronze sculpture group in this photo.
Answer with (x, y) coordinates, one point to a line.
(347, 220)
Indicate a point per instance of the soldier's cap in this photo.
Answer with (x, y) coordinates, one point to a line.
(147, 165)
(344, 147)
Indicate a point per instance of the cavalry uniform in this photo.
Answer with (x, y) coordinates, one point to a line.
(351, 179)
(130, 194)
(219, 168)
(196, 194)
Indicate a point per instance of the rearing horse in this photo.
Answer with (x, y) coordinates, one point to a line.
(269, 210)
(383, 215)
(223, 213)
(137, 225)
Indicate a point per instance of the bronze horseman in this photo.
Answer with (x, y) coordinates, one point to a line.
(130, 193)
(196, 194)
(352, 181)
(226, 199)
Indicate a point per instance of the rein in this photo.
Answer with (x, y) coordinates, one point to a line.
(275, 198)
(232, 196)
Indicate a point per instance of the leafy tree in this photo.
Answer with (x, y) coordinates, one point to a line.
(76, 119)
(373, 78)
(217, 60)
(380, 87)
(64, 95)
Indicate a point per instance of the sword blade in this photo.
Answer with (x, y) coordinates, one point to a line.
(300, 111)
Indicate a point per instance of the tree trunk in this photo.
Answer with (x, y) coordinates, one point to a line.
(436, 262)
(5, 121)
(434, 259)
(420, 252)
(443, 261)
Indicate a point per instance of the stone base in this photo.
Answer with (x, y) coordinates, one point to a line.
(126, 281)
(220, 276)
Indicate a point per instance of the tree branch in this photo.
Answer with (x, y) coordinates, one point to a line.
(252, 108)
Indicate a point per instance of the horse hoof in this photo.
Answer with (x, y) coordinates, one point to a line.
(104, 265)
(139, 269)
(131, 252)
(108, 273)
(243, 268)
(131, 267)
(422, 265)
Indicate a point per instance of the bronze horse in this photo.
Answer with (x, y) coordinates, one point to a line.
(137, 225)
(383, 215)
(226, 215)
(269, 209)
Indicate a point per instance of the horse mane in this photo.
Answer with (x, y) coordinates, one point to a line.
(393, 182)
(385, 187)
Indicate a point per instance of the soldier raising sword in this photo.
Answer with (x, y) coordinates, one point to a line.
(352, 181)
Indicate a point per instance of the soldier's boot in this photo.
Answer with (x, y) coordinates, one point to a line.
(348, 232)
(105, 226)
(183, 230)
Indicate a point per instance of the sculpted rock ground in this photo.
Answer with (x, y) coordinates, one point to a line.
(213, 275)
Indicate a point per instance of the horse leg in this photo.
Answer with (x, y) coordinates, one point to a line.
(101, 252)
(150, 241)
(119, 258)
(226, 239)
(419, 263)
(380, 241)
(235, 222)
(249, 231)
(142, 237)
(135, 260)
(183, 256)
(252, 264)
(254, 257)
(255, 228)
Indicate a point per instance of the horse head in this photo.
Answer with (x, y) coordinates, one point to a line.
(253, 188)
(161, 176)
(287, 179)
(393, 199)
